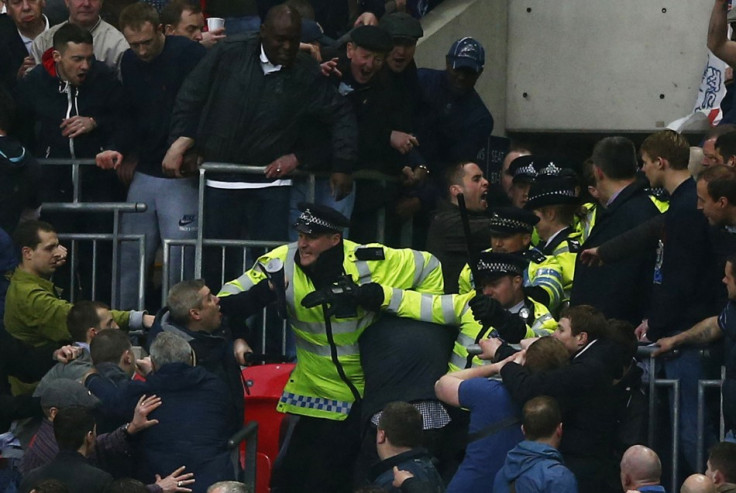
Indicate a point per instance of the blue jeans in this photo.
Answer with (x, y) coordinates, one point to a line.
(323, 196)
(687, 368)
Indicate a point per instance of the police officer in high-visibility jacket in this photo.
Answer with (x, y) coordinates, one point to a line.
(326, 385)
(553, 199)
(500, 310)
(511, 232)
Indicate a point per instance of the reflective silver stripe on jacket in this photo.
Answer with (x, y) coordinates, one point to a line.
(418, 267)
(465, 340)
(339, 326)
(395, 303)
(328, 405)
(321, 350)
(448, 310)
(458, 360)
(538, 325)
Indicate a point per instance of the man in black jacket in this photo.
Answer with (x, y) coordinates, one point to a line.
(686, 286)
(74, 103)
(585, 392)
(620, 290)
(247, 102)
(193, 312)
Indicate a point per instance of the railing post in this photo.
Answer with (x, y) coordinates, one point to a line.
(114, 300)
(200, 225)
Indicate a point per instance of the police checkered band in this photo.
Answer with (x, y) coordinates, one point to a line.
(552, 193)
(550, 170)
(504, 222)
(309, 219)
(498, 267)
(528, 170)
(328, 405)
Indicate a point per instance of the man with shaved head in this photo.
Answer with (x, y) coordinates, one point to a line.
(698, 483)
(641, 470)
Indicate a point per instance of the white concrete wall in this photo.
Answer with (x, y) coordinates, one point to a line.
(578, 65)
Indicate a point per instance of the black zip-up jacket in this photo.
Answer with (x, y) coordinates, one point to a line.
(45, 100)
(237, 114)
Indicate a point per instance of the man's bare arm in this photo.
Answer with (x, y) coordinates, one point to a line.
(703, 332)
(718, 41)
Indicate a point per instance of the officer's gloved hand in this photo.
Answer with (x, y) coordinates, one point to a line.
(370, 296)
(485, 309)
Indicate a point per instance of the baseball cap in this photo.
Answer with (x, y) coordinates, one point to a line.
(467, 53)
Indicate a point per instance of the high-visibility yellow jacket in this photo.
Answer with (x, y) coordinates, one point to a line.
(585, 224)
(543, 271)
(453, 309)
(564, 248)
(315, 387)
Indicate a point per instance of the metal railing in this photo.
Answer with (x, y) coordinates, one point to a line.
(654, 383)
(244, 245)
(209, 167)
(75, 164)
(702, 385)
(249, 434)
(115, 237)
(674, 384)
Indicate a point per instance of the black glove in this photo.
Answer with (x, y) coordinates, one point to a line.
(485, 309)
(370, 296)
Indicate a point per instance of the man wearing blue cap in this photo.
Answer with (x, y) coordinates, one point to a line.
(456, 122)
(325, 390)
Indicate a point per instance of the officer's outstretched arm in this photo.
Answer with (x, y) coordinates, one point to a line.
(247, 303)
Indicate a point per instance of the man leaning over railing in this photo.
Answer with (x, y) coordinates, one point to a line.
(34, 312)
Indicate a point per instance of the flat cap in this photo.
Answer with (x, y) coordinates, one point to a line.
(372, 38)
(65, 392)
(511, 220)
(319, 219)
(401, 25)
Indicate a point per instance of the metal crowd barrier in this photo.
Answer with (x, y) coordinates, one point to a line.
(702, 385)
(259, 170)
(116, 208)
(94, 238)
(249, 434)
(75, 164)
(244, 245)
(654, 383)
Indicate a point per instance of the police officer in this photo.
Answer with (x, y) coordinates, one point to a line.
(501, 309)
(553, 199)
(326, 386)
(511, 232)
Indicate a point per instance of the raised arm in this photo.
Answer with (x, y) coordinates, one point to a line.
(718, 41)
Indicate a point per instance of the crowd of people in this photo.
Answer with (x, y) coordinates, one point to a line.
(498, 354)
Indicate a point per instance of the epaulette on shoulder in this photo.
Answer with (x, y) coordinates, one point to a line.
(574, 245)
(370, 253)
(534, 255)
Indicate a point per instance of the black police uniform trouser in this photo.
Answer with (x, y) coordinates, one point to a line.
(318, 456)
